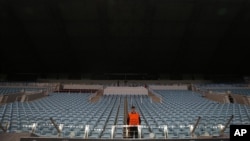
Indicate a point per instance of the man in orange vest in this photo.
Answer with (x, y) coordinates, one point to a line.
(133, 119)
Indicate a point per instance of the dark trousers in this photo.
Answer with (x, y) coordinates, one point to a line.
(133, 132)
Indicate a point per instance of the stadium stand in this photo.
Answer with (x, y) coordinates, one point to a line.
(15, 90)
(11, 94)
(80, 118)
(9, 90)
(239, 93)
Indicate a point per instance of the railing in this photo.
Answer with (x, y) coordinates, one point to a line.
(59, 127)
(126, 126)
(226, 125)
(192, 128)
(139, 129)
(165, 130)
(152, 91)
(86, 132)
(92, 95)
(5, 128)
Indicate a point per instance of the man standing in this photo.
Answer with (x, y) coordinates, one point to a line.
(133, 119)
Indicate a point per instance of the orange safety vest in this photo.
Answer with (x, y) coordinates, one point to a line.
(134, 118)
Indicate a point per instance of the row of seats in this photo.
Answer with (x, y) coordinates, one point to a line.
(168, 87)
(9, 90)
(224, 88)
(221, 85)
(234, 91)
(6, 90)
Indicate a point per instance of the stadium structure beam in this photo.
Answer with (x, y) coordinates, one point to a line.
(56, 126)
(196, 124)
(224, 128)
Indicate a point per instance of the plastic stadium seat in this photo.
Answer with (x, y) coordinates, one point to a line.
(106, 136)
(159, 136)
(118, 135)
(54, 132)
(94, 135)
(173, 135)
(119, 131)
(146, 135)
(66, 133)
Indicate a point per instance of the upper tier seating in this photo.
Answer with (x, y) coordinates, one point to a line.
(242, 89)
(6, 90)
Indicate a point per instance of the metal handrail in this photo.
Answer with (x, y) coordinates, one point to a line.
(114, 126)
(1, 127)
(58, 128)
(228, 122)
(165, 129)
(152, 91)
(86, 132)
(196, 124)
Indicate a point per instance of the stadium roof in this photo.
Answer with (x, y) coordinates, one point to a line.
(104, 36)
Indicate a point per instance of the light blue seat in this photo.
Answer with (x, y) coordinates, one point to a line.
(94, 135)
(118, 135)
(106, 136)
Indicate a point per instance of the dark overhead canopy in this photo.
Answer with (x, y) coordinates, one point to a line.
(167, 36)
